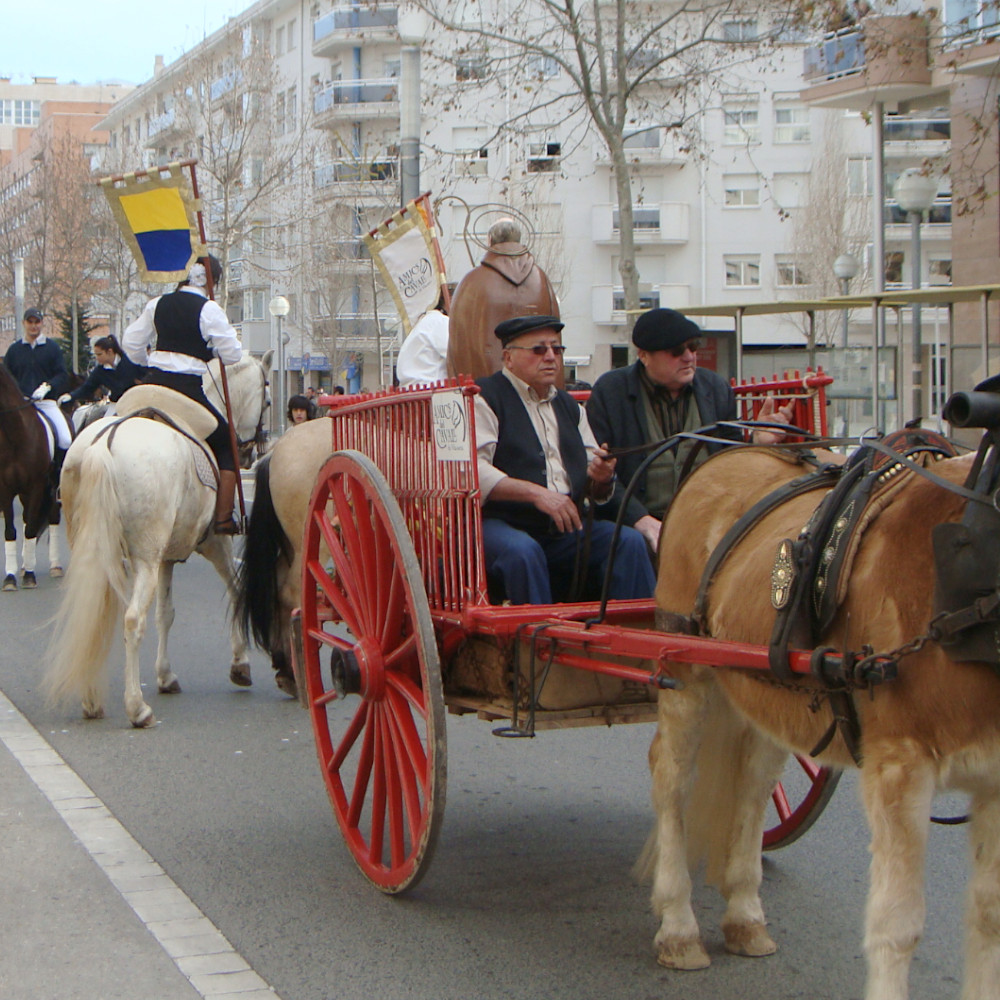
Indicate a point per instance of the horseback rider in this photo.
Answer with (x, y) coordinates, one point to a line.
(175, 336)
(39, 369)
(113, 372)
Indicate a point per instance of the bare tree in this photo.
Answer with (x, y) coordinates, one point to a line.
(616, 68)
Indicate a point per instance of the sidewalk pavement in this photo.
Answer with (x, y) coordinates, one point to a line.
(86, 914)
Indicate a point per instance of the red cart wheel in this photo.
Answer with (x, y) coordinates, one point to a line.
(378, 708)
(798, 800)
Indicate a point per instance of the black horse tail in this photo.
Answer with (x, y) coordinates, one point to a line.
(257, 608)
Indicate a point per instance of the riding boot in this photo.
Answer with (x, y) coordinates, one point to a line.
(58, 457)
(225, 523)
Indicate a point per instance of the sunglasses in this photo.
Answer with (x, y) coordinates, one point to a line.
(540, 349)
(688, 345)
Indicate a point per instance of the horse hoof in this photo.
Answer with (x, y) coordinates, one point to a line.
(145, 720)
(174, 687)
(28, 581)
(684, 954)
(239, 674)
(749, 940)
(9, 582)
(56, 572)
(93, 713)
(287, 685)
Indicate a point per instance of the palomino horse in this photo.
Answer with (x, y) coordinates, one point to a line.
(137, 503)
(27, 474)
(722, 740)
(269, 580)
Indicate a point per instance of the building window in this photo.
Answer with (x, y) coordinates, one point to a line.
(742, 271)
(742, 124)
(894, 269)
(739, 31)
(279, 41)
(648, 299)
(644, 220)
(543, 67)
(292, 41)
(859, 176)
(791, 125)
(543, 157)
(741, 191)
(20, 112)
(939, 271)
(471, 68)
(255, 305)
(789, 273)
(291, 109)
(647, 138)
(474, 163)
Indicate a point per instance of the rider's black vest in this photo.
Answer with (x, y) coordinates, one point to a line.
(178, 327)
(519, 452)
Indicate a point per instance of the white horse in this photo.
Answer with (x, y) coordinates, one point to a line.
(136, 502)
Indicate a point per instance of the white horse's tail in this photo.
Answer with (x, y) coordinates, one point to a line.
(95, 588)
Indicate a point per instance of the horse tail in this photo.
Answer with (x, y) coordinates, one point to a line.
(257, 608)
(95, 589)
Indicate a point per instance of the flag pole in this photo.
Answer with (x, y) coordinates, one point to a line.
(210, 288)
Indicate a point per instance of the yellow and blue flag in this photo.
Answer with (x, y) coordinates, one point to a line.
(158, 218)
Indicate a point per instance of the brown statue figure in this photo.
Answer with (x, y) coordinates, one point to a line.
(507, 283)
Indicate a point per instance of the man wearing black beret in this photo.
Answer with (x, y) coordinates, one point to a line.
(663, 394)
(537, 458)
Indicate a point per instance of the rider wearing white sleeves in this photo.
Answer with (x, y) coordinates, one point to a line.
(176, 335)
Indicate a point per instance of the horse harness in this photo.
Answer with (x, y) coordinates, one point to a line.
(810, 574)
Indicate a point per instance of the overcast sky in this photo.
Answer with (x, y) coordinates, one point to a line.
(109, 40)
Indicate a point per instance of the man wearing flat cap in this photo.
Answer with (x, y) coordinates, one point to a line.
(664, 393)
(537, 459)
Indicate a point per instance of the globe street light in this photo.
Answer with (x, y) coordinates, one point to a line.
(278, 307)
(845, 267)
(915, 192)
(411, 22)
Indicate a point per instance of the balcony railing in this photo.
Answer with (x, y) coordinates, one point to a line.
(356, 94)
(353, 172)
(841, 53)
(350, 20)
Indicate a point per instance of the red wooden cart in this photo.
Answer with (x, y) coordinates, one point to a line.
(396, 626)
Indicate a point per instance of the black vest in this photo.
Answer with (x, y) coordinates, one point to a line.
(519, 453)
(178, 327)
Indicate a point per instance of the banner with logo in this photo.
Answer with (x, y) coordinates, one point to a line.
(406, 252)
(157, 213)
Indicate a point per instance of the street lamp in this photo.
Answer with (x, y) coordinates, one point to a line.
(411, 22)
(915, 193)
(845, 267)
(278, 307)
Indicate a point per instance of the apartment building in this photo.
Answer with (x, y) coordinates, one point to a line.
(732, 207)
(47, 143)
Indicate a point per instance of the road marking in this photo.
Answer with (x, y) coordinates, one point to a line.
(196, 946)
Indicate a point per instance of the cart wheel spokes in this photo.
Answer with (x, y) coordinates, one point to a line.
(798, 800)
(373, 680)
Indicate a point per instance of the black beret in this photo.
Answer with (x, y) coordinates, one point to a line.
(662, 329)
(511, 328)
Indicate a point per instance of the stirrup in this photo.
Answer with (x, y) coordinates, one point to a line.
(228, 526)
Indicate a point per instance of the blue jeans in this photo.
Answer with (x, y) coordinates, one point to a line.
(539, 569)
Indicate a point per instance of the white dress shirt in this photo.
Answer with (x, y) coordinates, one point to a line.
(543, 419)
(424, 355)
(216, 330)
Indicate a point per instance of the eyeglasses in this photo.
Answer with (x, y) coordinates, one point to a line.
(688, 345)
(540, 349)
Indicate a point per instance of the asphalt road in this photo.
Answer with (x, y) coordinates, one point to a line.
(530, 892)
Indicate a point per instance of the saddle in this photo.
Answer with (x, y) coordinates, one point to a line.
(184, 415)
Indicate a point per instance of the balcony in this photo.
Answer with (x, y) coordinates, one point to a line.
(225, 84)
(164, 129)
(663, 224)
(882, 59)
(343, 176)
(916, 139)
(355, 100)
(972, 38)
(355, 332)
(347, 25)
(608, 301)
(653, 147)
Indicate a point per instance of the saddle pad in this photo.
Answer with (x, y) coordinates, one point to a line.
(192, 417)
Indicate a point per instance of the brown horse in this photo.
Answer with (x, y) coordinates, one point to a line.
(26, 474)
(722, 740)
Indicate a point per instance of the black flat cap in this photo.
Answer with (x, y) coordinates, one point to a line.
(662, 329)
(511, 328)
